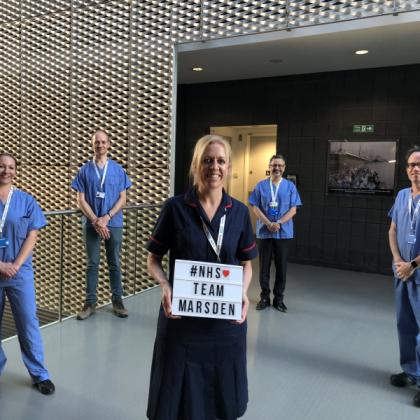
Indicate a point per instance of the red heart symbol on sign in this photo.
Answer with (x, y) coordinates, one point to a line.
(226, 272)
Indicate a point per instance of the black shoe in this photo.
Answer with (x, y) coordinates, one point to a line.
(401, 380)
(280, 306)
(416, 399)
(262, 304)
(45, 387)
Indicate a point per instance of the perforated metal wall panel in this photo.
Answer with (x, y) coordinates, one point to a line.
(47, 266)
(10, 88)
(227, 18)
(313, 12)
(32, 8)
(9, 11)
(69, 67)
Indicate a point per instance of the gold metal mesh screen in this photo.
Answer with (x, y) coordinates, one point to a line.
(68, 67)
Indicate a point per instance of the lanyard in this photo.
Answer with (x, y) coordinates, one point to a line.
(274, 192)
(6, 210)
(218, 247)
(102, 180)
(413, 216)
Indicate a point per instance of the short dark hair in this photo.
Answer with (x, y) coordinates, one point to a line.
(9, 155)
(413, 149)
(277, 156)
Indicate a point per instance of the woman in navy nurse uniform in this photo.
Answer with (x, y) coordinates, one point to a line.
(199, 364)
(20, 220)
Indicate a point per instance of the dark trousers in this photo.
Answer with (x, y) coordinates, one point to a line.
(279, 249)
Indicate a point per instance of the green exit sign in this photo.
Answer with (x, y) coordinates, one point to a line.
(363, 128)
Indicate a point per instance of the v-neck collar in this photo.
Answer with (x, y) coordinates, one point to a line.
(191, 199)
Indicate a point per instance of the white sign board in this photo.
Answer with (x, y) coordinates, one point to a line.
(207, 290)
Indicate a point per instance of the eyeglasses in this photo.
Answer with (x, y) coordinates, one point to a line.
(277, 166)
(412, 165)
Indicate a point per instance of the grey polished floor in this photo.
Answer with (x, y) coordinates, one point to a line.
(328, 358)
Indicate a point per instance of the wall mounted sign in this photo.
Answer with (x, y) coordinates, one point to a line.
(363, 128)
(207, 290)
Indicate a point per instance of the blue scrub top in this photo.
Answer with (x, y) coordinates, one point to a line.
(24, 215)
(179, 229)
(287, 197)
(116, 181)
(401, 217)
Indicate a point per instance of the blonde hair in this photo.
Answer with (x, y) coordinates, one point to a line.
(200, 148)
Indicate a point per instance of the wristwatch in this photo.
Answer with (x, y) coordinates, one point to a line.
(414, 264)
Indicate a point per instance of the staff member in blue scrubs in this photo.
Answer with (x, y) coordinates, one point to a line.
(274, 202)
(101, 186)
(404, 241)
(199, 364)
(21, 218)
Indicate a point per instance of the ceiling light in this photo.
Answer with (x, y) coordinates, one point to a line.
(197, 69)
(361, 52)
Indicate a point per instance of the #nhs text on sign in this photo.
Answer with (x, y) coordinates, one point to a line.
(207, 290)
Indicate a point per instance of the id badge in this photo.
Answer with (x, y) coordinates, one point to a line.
(272, 209)
(100, 194)
(411, 239)
(4, 242)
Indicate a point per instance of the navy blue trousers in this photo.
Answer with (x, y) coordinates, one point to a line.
(407, 303)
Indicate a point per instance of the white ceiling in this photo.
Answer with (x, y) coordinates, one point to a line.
(391, 41)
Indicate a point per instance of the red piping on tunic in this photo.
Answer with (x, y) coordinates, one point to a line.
(249, 248)
(155, 240)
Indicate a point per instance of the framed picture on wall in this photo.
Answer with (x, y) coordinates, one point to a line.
(361, 167)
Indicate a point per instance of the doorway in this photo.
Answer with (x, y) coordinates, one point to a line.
(252, 147)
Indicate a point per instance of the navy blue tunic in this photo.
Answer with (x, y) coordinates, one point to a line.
(199, 364)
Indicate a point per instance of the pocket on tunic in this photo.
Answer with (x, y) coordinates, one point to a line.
(112, 188)
(22, 228)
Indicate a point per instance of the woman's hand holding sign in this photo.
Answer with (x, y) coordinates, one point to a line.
(247, 281)
(167, 300)
(245, 307)
(154, 265)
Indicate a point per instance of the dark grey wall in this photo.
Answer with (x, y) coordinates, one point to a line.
(347, 231)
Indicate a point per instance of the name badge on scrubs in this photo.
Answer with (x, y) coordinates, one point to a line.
(272, 209)
(411, 239)
(4, 242)
(100, 194)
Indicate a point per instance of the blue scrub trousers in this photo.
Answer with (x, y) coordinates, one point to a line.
(407, 303)
(21, 295)
(112, 248)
